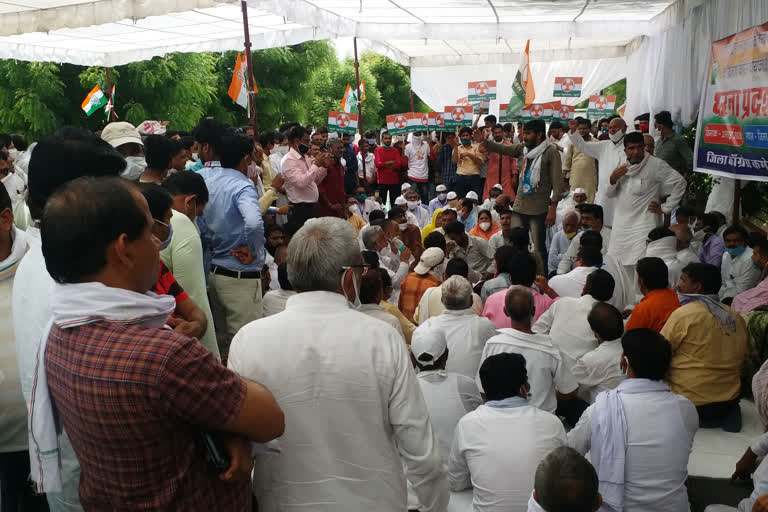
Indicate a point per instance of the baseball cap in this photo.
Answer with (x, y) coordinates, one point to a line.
(429, 259)
(451, 195)
(579, 191)
(119, 133)
(497, 186)
(441, 188)
(404, 187)
(471, 195)
(428, 345)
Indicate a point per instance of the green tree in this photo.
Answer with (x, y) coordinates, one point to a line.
(393, 81)
(29, 95)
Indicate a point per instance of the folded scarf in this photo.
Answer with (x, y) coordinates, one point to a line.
(533, 163)
(712, 303)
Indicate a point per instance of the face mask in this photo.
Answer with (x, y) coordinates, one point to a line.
(442, 197)
(134, 167)
(570, 235)
(412, 205)
(466, 142)
(371, 141)
(416, 141)
(303, 148)
(353, 210)
(355, 304)
(167, 240)
(388, 145)
(485, 226)
(195, 157)
(282, 150)
(362, 197)
(736, 251)
(616, 137)
(588, 228)
(403, 226)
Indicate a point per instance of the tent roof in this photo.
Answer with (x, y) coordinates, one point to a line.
(427, 32)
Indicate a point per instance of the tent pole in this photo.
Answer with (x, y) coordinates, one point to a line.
(411, 100)
(109, 97)
(253, 121)
(359, 105)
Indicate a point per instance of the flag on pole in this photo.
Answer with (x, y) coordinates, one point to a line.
(238, 88)
(362, 90)
(94, 101)
(110, 103)
(523, 92)
(342, 122)
(349, 101)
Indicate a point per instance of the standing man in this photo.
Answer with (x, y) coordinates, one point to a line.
(540, 183)
(302, 175)
(468, 159)
(418, 153)
(609, 155)
(639, 188)
(350, 163)
(561, 142)
(583, 168)
(388, 163)
(445, 160)
(672, 148)
(502, 170)
(331, 196)
(363, 422)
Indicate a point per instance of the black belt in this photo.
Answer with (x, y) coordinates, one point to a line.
(234, 273)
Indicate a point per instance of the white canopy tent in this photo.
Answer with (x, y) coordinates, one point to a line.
(661, 46)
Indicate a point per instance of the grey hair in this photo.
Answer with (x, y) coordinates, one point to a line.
(456, 293)
(519, 304)
(572, 212)
(565, 480)
(369, 236)
(317, 253)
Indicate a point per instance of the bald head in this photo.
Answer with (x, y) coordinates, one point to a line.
(519, 305)
(617, 125)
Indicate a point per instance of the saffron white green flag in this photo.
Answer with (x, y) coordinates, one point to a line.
(94, 101)
(342, 122)
(523, 92)
(349, 101)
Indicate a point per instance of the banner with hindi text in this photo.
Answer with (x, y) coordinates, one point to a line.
(732, 131)
(458, 115)
(342, 122)
(398, 124)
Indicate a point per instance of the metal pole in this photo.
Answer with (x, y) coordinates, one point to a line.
(411, 100)
(253, 121)
(359, 106)
(109, 97)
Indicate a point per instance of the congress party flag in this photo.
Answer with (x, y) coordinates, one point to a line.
(567, 87)
(342, 122)
(437, 122)
(463, 101)
(601, 106)
(238, 88)
(94, 101)
(349, 101)
(503, 113)
(398, 124)
(565, 113)
(481, 91)
(542, 111)
(523, 92)
(458, 115)
(110, 106)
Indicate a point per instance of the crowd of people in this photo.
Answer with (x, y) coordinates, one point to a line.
(223, 320)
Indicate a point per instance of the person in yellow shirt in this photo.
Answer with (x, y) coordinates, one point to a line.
(351, 214)
(709, 342)
(437, 222)
(468, 159)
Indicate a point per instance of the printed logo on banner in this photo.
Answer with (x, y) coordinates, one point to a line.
(458, 115)
(481, 91)
(342, 122)
(600, 105)
(401, 121)
(568, 86)
(397, 124)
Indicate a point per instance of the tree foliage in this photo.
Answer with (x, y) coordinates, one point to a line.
(394, 84)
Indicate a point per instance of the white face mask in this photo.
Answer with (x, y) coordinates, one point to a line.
(254, 170)
(281, 150)
(355, 304)
(416, 141)
(134, 167)
(403, 226)
(195, 157)
(412, 205)
(485, 226)
(353, 209)
(442, 196)
(616, 137)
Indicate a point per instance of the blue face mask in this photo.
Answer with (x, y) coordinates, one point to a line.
(167, 240)
(466, 142)
(736, 251)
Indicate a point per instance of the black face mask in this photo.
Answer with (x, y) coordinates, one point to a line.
(303, 148)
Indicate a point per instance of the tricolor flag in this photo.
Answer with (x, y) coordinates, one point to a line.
(238, 88)
(342, 122)
(458, 115)
(622, 109)
(398, 124)
(94, 101)
(566, 113)
(503, 113)
(567, 87)
(349, 101)
(601, 106)
(463, 101)
(541, 111)
(523, 92)
(481, 91)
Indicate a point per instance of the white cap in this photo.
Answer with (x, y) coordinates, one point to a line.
(451, 195)
(400, 200)
(471, 195)
(498, 186)
(404, 187)
(579, 191)
(441, 188)
(120, 133)
(429, 259)
(428, 345)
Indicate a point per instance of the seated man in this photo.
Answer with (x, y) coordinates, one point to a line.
(426, 275)
(371, 294)
(431, 303)
(497, 447)
(591, 220)
(562, 240)
(501, 238)
(572, 283)
(408, 233)
(709, 341)
(565, 481)
(414, 206)
(672, 245)
(747, 301)
(599, 370)
(739, 273)
(466, 332)
(504, 258)
(522, 272)
(566, 320)
(640, 434)
(472, 249)
(549, 371)
(274, 300)
(658, 300)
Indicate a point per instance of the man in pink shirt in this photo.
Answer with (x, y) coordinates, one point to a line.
(751, 299)
(522, 272)
(302, 175)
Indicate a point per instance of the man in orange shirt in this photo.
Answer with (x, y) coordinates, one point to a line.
(658, 301)
(428, 273)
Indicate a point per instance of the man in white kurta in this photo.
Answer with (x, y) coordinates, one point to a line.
(738, 271)
(640, 434)
(609, 155)
(638, 188)
(354, 413)
(673, 250)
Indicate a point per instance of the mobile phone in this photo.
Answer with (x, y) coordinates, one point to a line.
(214, 452)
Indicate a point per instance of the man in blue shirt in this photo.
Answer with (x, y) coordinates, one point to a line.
(233, 230)
(445, 162)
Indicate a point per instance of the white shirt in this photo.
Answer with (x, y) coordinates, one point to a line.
(274, 301)
(739, 274)
(609, 156)
(566, 323)
(652, 181)
(466, 334)
(497, 450)
(354, 413)
(573, 249)
(598, 370)
(15, 186)
(366, 208)
(760, 478)
(370, 166)
(421, 214)
(660, 430)
(548, 371)
(572, 283)
(378, 312)
(431, 304)
(666, 249)
(418, 159)
(565, 143)
(396, 269)
(557, 249)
